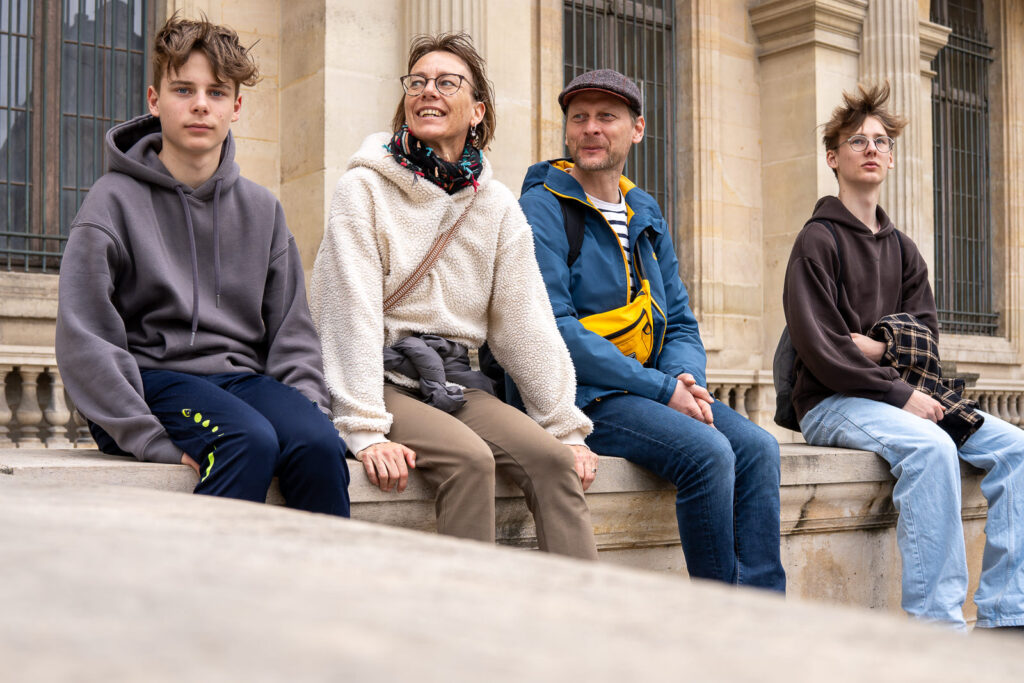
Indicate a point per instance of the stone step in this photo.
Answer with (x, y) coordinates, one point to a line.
(114, 583)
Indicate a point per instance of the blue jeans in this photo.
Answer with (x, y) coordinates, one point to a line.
(929, 531)
(244, 429)
(726, 478)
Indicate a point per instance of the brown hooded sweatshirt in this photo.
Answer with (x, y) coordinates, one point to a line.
(875, 284)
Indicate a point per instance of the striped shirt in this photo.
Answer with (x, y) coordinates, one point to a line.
(615, 214)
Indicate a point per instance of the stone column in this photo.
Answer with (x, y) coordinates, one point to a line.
(434, 16)
(890, 51)
(1005, 24)
(809, 53)
(698, 230)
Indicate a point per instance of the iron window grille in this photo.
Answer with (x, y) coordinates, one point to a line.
(635, 38)
(963, 218)
(68, 72)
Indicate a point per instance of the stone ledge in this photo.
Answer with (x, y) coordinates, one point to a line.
(823, 490)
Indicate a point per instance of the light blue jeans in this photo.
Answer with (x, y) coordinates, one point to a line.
(929, 531)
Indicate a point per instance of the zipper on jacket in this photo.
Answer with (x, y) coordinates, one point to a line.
(625, 259)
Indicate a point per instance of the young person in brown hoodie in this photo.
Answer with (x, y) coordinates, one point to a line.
(839, 283)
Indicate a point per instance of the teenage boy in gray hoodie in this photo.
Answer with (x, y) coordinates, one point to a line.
(183, 334)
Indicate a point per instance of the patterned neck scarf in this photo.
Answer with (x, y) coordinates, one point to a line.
(451, 177)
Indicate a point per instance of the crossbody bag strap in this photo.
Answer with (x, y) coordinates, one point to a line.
(434, 253)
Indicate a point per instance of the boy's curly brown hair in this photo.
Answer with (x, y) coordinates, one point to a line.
(179, 38)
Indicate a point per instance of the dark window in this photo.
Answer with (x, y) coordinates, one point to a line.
(634, 38)
(963, 222)
(70, 70)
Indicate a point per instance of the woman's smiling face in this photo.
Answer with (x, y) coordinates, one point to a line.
(443, 121)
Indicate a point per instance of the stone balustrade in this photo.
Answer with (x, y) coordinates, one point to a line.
(751, 393)
(35, 411)
(1002, 398)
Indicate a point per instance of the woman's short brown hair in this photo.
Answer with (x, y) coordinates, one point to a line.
(179, 38)
(460, 45)
(855, 108)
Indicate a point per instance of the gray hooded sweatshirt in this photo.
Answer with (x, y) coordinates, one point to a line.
(158, 275)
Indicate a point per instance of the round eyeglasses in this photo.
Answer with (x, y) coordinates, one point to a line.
(446, 84)
(859, 143)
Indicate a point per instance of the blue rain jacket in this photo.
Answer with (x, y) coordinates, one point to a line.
(599, 281)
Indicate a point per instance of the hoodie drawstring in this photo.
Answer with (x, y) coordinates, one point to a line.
(195, 264)
(216, 238)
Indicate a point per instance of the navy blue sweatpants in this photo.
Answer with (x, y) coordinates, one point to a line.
(243, 429)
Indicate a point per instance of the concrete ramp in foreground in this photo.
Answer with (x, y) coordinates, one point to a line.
(111, 583)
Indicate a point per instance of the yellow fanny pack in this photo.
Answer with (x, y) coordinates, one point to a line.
(629, 327)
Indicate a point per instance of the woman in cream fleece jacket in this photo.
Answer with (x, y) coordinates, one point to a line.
(399, 193)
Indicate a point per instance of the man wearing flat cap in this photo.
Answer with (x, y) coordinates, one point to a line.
(613, 278)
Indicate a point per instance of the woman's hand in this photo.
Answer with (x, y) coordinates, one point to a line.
(386, 464)
(586, 464)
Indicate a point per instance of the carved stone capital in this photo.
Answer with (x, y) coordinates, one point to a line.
(783, 25)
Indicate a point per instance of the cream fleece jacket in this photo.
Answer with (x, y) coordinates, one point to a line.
(486, 286)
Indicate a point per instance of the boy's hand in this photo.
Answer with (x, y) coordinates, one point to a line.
(385, 465)
(873, 350)
(186, 459)
(924, 406)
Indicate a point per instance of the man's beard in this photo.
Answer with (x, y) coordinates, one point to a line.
(606, 164)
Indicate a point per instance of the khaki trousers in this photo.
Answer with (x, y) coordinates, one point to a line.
(460, 452)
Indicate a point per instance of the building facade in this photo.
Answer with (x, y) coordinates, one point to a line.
(735, 92)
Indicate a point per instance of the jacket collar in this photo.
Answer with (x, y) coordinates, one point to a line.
(641, 209)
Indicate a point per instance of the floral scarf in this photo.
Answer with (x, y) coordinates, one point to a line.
(451, 177)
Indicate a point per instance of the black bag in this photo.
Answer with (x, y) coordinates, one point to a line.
(784, 363)
(573, 216)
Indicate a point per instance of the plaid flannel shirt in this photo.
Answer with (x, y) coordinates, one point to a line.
(913, 350)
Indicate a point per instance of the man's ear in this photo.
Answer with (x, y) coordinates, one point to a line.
(638, 129)
(238, 108)
(830, 159)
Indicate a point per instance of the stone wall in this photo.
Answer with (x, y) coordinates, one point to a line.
(755, 80)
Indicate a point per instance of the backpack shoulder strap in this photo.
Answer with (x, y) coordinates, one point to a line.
(572, 218)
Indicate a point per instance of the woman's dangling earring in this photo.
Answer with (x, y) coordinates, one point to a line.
(472, 132)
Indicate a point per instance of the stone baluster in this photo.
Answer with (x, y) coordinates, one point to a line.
(1013, 406)
(81, 436)
(975, 396)
(5, 410)
(29, 415)
(57, 413)
(741, 399)
(760, 404)
(1003, 410)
